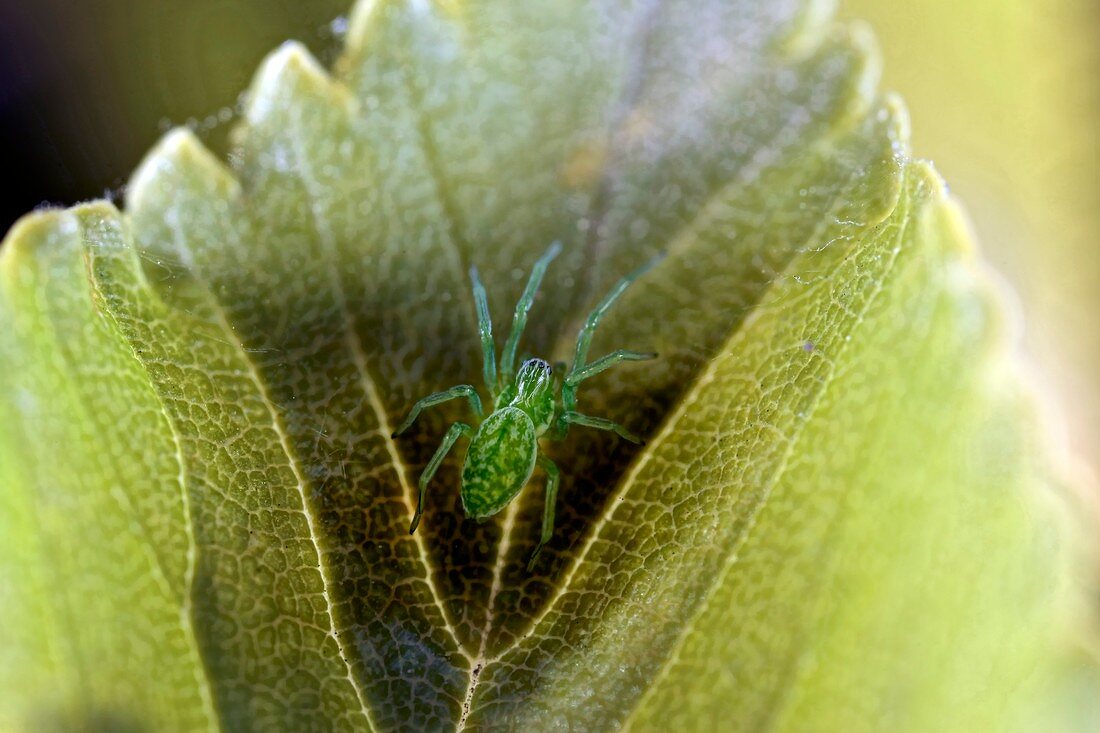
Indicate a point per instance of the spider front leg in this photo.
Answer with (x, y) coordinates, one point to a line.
(462, 390)
(457, 430)
(605, 363)
(519, 319)
(599, 423)
(575, 376)
(485, 329)
(553, 476)
(580, 370)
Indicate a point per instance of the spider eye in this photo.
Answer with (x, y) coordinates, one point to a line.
(535, 367)
(533, 377)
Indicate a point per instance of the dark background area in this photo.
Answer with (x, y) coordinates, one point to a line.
(87, 87)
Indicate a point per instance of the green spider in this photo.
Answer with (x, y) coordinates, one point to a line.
(527, 405)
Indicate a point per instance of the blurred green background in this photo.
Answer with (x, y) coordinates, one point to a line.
(1003, 96)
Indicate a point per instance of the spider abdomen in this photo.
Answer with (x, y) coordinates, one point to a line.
(499, 462)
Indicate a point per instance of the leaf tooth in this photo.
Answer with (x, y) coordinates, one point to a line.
(993, 313)
(181, 195)
(179, 156)
(865, 74)
(101, 227)
(29, 235)
(897, 114)
(808, 27)
(361, 27)
(876, 193)
(284, 76)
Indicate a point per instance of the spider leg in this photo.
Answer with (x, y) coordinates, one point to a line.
(605, 363)
(558, 429)
(458, 429)
(485, 328)
(523, 306)
(552, 477)
(599, 423)
(584, 338)
(462, 390)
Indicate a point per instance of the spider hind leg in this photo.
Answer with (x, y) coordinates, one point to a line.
(553, 476)
(457, 430)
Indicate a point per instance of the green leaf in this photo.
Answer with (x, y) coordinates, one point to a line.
(841, 520)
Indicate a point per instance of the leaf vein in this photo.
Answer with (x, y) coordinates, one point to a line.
(355, 346)
(777, 474)
(235, 342)
(153, 558)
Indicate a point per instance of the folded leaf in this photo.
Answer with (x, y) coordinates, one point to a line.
(840, 521)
